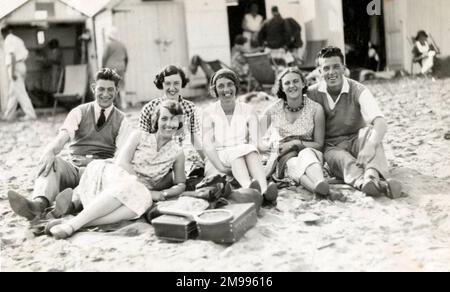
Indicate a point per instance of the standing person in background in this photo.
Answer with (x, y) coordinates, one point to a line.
(295, 41)
(115, 56)
(251, 24)
(55, 63)
(274, 35)
(15, 55)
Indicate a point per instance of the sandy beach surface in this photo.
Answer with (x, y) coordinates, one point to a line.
(363, 234)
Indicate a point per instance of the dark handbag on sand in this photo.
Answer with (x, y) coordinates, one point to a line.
(284, 156)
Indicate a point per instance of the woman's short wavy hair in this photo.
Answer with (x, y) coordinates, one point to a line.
(278, 88)
(169, 71)
(174, 109)
(223, 73)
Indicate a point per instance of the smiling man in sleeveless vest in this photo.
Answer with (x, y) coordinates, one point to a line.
(95, 129)
(355, 128)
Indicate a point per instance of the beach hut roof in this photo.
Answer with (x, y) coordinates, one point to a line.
(88, 8)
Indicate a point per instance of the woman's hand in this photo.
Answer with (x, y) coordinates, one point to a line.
(226, 170)
(289, 145)
(157, 196)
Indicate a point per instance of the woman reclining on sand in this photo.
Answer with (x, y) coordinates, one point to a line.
(149, 167)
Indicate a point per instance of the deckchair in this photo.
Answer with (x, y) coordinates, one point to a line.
(208, 67)
(262, 68)
(74, 86)
(311, 50)
(418, 60)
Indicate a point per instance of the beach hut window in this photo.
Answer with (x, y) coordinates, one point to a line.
(40, 37)
(45, 8)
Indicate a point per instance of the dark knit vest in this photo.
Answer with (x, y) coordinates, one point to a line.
(99, 142)
(346, 118)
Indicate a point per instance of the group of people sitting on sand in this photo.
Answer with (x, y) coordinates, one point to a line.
(116, 173)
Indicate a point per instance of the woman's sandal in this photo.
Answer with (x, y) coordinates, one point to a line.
(322, 188)
(62, 231)
(53, 223)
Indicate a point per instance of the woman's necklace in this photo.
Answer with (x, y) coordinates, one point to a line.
(295, 109)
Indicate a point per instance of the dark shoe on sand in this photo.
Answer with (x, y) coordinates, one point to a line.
(390, 188)
(63, 203)
(246, 195)
(271, 193)
(22, 206)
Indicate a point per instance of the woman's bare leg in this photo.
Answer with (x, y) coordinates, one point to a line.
(103, 205)
(256, 169)
(240, 172)
(120, 214)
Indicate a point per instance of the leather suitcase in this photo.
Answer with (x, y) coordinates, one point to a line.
(175, 228)
(244, 218)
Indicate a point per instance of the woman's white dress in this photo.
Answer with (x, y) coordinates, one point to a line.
(231, 138)
(303, 127)
(104, 177)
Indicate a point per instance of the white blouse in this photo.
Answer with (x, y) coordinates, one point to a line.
(228, 134)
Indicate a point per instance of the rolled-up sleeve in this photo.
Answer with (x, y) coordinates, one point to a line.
(72, 122)
(369, 107)
(124, 132)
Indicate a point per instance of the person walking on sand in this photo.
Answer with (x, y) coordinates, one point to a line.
(16, 54)
(251, 24)
(96, 130)
(354, 129)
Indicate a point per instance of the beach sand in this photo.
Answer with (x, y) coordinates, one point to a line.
(364, 234)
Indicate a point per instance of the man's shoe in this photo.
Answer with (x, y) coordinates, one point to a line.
(390, 188)
(22, 206)
(63, 203)
(395, 189)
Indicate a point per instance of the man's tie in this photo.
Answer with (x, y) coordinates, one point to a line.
(101, 120)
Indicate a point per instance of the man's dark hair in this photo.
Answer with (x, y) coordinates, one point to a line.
(275, 9)
(108, 74)
(240, 40)
(330, 52)
(5, 30)
(53, 44)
